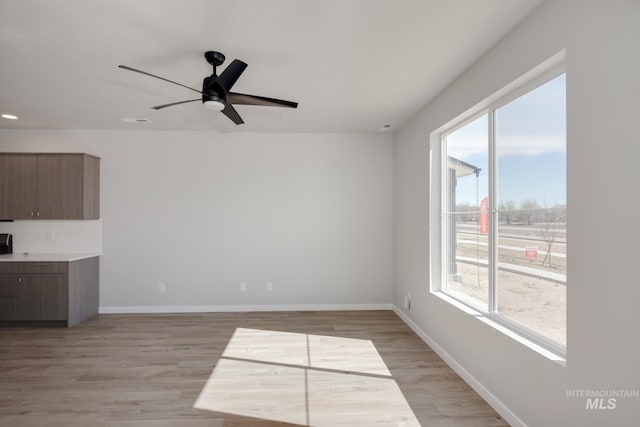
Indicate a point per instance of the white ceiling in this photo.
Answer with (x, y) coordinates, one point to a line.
(353, 65)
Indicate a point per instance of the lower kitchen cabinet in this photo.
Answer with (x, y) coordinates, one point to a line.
(9, 291)
(64, 293)
(43, 297)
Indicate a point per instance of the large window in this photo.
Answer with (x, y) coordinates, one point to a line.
(503, 210)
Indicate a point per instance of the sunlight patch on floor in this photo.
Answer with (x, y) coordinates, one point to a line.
(308, 380)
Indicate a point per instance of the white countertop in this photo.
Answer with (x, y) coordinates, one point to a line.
(44, 257)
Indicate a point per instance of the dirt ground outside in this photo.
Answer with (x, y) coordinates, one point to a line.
(534, 302)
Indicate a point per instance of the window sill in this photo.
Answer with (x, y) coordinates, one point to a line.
(560, 359)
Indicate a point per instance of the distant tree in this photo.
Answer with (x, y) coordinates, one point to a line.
(507, 211)
(528, 210)
(549, 224)
(466, 211)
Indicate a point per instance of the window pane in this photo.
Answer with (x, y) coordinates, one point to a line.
(466, 218)
(531, 186)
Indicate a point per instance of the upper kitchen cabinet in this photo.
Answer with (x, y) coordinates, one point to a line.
(68, 186)
(18, 185)
(49, 186)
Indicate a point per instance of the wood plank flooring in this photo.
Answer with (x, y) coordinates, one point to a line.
(348, 368)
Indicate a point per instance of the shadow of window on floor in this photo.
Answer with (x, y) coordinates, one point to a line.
(303, 379)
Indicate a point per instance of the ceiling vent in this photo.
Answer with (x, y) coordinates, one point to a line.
(135, 120)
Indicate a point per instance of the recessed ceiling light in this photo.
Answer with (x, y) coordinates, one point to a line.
(9, 116)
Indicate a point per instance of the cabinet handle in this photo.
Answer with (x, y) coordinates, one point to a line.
(19, 279)
(38, 213)
(31, 213)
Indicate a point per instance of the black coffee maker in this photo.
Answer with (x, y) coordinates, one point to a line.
(6, 244)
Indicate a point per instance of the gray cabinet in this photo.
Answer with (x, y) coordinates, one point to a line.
(18, 185)
(49, 186)
(64, 293)
(43, 297)
(9, 296)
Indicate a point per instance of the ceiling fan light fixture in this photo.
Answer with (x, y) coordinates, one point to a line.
(214, 104)
(216, 89)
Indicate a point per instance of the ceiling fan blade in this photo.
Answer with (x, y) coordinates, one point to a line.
(159, 107)
(231, 112)
(242, 99)
(231, 74)
(124, 67)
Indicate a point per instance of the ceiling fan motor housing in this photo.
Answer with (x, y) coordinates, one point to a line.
(212, 91)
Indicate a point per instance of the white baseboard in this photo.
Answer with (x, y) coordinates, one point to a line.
(238, 308)
(489, 397)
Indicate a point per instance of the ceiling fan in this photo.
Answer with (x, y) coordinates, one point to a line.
(216, 89)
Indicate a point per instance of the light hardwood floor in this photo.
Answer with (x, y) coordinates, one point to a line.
(347, 368)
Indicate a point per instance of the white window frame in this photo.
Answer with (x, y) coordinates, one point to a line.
(550, 69)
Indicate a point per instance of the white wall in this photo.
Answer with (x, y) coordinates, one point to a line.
(203, 211)
(603, 89)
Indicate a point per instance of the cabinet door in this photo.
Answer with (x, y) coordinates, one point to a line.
(91, 183)
(43, 297)
(18, 186)
(9, 295)
(60, 186)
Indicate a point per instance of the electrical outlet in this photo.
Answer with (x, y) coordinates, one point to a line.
(269, 286)
(162, 287)
(51, 235)
(243, 287)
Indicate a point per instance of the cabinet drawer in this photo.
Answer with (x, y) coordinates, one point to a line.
(9, 267)
(33, 267)
(43, 267)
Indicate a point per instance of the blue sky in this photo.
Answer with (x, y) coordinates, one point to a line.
(531, 149)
